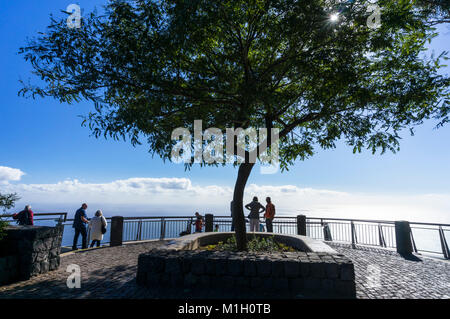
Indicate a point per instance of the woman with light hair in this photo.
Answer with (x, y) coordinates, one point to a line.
(98, 226)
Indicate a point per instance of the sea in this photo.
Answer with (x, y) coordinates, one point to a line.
(427, 238)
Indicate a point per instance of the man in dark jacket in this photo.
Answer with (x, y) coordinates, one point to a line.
(79, 223)
(255, 208)
(25, 217)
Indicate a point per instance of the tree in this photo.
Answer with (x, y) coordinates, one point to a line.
(434, 11)
(152, 66)
(7, 201)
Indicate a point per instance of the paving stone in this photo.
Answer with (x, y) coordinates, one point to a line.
(111, 273)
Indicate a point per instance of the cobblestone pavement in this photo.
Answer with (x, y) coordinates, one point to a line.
(110, 273)
(382, 273)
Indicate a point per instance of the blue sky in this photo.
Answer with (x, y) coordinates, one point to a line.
(44, 139)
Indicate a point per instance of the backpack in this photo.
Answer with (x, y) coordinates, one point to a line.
(103, 226)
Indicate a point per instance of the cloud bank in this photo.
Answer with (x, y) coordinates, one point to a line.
(179, 196)
(8, 174)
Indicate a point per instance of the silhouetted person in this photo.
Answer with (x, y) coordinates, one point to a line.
(216, 228)
(198, 223)
(79, 223)
(25, 217)
(96, 224)
(255, 208)
(269, 214)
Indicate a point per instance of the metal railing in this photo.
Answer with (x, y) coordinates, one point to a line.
(281, 225)
(428, 238)
(39, 217)
(355, 231)
(158, 227)
(431, 234)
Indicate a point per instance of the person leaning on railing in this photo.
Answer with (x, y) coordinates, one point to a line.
(25, 217)
(79, 222)
(198, 223)
(98, 226)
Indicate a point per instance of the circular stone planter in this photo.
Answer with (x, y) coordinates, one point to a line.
(316, 270)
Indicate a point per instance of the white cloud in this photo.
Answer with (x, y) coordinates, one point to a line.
(8, 174)
(179, 196)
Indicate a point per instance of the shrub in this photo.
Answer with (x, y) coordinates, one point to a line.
(256, 244)
(3, 224)
(7, 201)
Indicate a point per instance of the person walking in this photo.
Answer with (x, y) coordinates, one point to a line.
(255, 208)
(269, 214)
(25, 217)
(98, 226)
(79, 223)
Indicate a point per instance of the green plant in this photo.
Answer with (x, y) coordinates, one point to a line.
(3, 224)
(7, 201)
(256, 244)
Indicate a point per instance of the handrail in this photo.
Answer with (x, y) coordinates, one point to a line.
(353, 231)
(378, 221)
(39, 214)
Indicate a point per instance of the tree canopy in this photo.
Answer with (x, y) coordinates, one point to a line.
(152, 66)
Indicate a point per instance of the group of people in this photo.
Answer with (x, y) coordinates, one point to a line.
(97, 225)
(256, 208)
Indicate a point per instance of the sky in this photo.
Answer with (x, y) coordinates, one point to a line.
(55, 164)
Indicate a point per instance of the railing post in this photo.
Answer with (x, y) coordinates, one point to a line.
(116, 231)
(381, 236)
(444, 246)
(209, 221)
(301, 225)
(354, 239)
(403, 238)
(139, 231)
(163, 229)
(327, 232)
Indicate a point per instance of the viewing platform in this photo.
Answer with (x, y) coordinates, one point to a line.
(110, 272)
(380, 271)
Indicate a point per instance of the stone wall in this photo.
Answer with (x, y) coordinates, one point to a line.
(29, 251)
(315, 274)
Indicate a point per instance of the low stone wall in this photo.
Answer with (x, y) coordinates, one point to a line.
(311, 274)
(28, 251)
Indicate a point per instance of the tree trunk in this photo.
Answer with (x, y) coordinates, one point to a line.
(238, 205)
